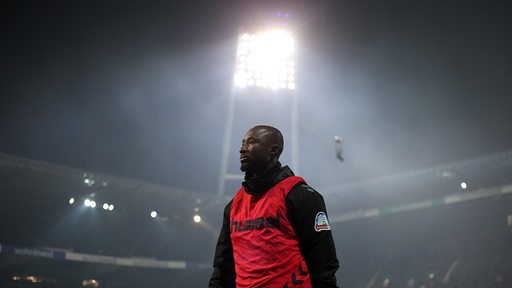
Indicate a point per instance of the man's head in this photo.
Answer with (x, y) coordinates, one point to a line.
(261, 147)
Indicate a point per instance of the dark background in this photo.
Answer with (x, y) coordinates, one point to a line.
(140, 89)
(136, 94)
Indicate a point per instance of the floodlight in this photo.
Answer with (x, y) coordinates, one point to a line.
(88, 181)
(89, 203)
(153, 214)
(71, 200)
(197, 218)
(265, 60)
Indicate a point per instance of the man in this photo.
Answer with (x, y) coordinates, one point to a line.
(275, 232)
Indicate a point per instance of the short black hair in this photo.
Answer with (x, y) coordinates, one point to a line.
(275, 136)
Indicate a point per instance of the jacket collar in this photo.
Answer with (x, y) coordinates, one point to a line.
(262, 183)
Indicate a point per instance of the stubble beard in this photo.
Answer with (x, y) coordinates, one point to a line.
(252, 168)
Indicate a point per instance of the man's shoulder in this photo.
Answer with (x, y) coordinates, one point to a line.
(303, 192)
(303, 187)
(227, 208)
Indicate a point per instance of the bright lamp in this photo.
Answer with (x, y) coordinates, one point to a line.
(266, 60)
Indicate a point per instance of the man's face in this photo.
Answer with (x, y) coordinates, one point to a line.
(255, 152)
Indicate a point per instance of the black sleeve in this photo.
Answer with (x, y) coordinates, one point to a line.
(303, 204)
(223, 275)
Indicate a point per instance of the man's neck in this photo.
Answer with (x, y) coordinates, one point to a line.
(261, 172)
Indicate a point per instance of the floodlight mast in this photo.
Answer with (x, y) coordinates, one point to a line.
(264, 61)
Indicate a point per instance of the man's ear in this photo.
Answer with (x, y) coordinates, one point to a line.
(274, 149)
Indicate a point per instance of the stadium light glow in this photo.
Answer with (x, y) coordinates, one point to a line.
(266, 60)
(197, 218)
(108, 207)
(88, 181)
(153, 214)
(71, 200)
(90, 203)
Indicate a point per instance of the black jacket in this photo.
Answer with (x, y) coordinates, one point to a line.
(302, 205)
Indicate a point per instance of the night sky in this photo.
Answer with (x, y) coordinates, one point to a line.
(140, 89)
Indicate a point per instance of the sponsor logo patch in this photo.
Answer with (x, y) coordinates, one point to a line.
(321, 222)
